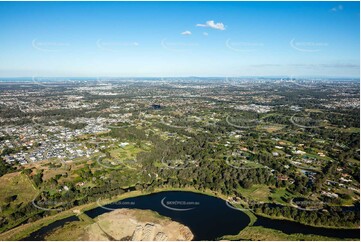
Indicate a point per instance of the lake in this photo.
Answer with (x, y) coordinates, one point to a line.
(207, 217)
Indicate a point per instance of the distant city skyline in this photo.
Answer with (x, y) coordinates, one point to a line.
(180, 39)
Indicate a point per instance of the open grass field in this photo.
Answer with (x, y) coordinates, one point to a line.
(262, 193)
(17, 184)
(128, 152)
(256, 192)
(279, 194)
(122, 157)
(272, 128)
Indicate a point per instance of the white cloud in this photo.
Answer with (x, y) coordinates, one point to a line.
(338, 8)
(213, 25)
(187, 32)
(205, 33)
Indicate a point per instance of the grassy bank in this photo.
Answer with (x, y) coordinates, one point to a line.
(257, 233)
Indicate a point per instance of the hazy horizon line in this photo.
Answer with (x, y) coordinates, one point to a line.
(122, 77)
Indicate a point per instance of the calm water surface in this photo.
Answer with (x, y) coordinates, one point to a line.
(208, 217)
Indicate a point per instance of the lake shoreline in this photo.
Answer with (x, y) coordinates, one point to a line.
(25, 230)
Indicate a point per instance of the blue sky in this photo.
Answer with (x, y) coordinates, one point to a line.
(179, 39)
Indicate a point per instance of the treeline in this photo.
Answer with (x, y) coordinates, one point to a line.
(329, 216)
(5, 167)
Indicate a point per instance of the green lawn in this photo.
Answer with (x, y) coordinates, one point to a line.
(263, 192)
(256, 192)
